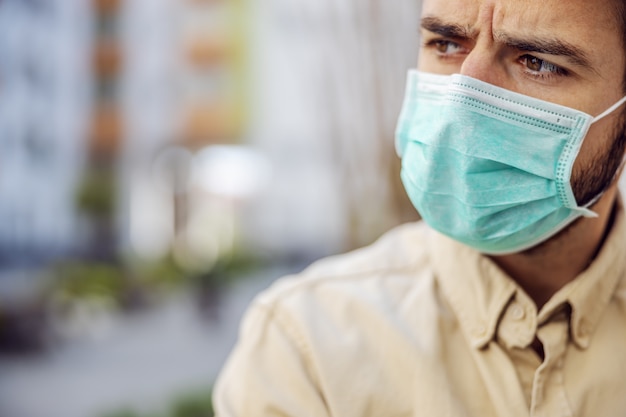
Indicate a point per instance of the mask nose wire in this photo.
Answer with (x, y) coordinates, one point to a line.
(609, 110)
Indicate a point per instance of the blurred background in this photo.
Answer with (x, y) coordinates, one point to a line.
(161, 162)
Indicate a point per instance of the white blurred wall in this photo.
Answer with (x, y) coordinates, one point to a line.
(329, 80)
(44, 96)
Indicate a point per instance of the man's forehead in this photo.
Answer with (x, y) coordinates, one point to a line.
(580, 18)
(591, 28)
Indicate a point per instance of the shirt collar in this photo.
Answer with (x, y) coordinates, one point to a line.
(478, 291)
(590, 293)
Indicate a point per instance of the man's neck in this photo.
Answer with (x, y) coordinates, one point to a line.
(545, 269)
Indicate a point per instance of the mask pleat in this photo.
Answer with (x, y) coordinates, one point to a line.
(473, 182)
(477, 136)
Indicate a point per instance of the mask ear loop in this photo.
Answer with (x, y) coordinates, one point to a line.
(602, 116)
(593, 214)
(619, 168)
(609, 110)
(585, 211)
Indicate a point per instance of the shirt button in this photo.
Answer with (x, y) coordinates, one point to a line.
(517, 312)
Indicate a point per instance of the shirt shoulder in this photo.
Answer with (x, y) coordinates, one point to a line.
(397, 257)
(345, 303)
(324, 339)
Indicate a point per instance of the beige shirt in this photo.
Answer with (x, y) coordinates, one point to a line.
(419, 325)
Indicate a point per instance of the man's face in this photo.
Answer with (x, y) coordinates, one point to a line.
(568, 52)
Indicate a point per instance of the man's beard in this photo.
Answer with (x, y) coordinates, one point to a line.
(593, 179)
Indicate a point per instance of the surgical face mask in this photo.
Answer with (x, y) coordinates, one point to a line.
(489, 167)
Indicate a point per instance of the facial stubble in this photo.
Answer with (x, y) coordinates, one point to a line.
(592, 180)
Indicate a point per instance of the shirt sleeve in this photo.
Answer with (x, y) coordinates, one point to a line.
(268, 372)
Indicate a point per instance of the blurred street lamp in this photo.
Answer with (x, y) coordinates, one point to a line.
(221, 177)
(231, 171)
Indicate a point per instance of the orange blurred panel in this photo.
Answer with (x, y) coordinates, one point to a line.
(106, 130)
(207, 51)
(106, 6)
(204, 124)
(107, 59)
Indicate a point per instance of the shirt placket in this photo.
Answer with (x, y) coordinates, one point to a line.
(549, 398)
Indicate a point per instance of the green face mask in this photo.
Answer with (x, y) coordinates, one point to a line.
(489, 167)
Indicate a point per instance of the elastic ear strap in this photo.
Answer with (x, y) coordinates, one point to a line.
(587, 212)
(619, 168)
(609, 110)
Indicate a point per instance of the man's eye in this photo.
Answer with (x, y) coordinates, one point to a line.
(538, 65)
(444, 47)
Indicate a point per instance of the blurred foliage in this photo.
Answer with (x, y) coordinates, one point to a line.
(239, 264)
(166, 273)
(90, 280)
(162, 274)
(193, 404)
(230, 268)
(127, 284)
(96, 193)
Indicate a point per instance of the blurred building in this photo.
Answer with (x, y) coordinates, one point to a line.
(91, 93)
(185, 88)
(112, 114)
(44, 105)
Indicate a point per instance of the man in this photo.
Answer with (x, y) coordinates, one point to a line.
(512, 300)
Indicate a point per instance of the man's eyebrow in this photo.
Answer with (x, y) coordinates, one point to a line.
(449, 30)
(547, 46)
(544, 46)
